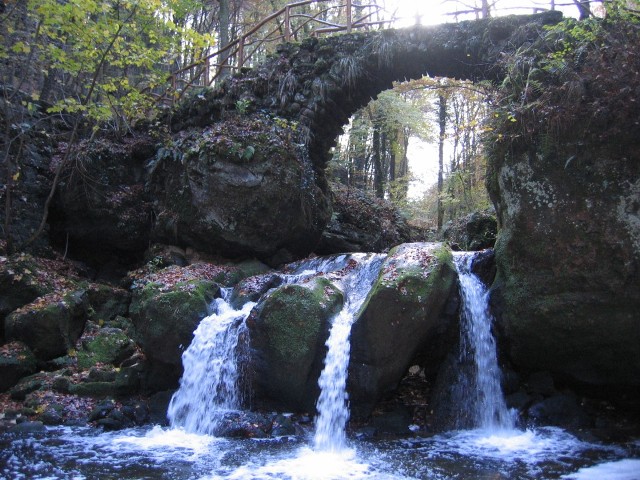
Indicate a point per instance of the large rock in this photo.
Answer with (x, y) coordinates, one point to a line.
(568, 259)
(567, 194)
(16, 362)
(241, 187)
(289, 328)
(475, 231)
(401, 315)
(23, 278)
(362, 223)
(51, 325)
(165, 316)
(101, 207)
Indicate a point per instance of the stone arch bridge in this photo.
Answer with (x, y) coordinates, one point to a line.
(241, 172)
(320, 83)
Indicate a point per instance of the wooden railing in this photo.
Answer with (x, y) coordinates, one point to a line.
(289, 23)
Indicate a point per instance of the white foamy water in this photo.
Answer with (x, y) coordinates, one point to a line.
(484, 396)
(209, 386)
(307, 464)
(628, 469)
(333, 411)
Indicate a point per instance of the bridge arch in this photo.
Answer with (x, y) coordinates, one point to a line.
(320, 83)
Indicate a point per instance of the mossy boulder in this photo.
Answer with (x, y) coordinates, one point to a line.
(123, 382)
(165, 317)
(568, 263)
(288, 329)
(239, 188)
(24, 278)
(16, 362)
(564, 176)
(109, 345)
(107, 302)
(51, 325)
(401, 315)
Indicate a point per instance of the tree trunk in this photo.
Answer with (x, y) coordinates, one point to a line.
(224, 23)
(378, 185)
(583, 8)
(442, 123)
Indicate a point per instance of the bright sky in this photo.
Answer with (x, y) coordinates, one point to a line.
(432, 12)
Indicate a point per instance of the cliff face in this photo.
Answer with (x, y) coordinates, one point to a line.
(565, 180)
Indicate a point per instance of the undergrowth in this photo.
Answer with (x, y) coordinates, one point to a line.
(579, 83)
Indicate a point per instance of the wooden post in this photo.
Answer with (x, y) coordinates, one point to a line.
(287, 24)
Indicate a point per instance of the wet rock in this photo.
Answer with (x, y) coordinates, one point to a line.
(158, 404)
(252, 288)
(401, 315)
(393, 422)
(101, 410)
(28, 427)
(484, 266)
(165, 317)
(288, 329)
(519, 400)
(244, 425)
(16, 362)
(282, 425)
(560, 410)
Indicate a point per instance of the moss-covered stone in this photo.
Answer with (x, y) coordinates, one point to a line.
(288, 329)
(401, 315)
(24, 278)
(126, 382)
(110, 345)
(165, 318)
(239, 188)
(51, 325)
(564, 176)
(107, 302)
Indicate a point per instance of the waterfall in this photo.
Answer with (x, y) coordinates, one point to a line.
(209, 385)
(484, 400)
(332, 406)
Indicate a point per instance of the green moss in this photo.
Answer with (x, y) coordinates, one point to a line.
(294, 316)
(107, 347)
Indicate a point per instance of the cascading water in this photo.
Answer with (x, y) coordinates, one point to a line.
(485, 398)
(333, 411)
(209, 389)
(209, 385)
